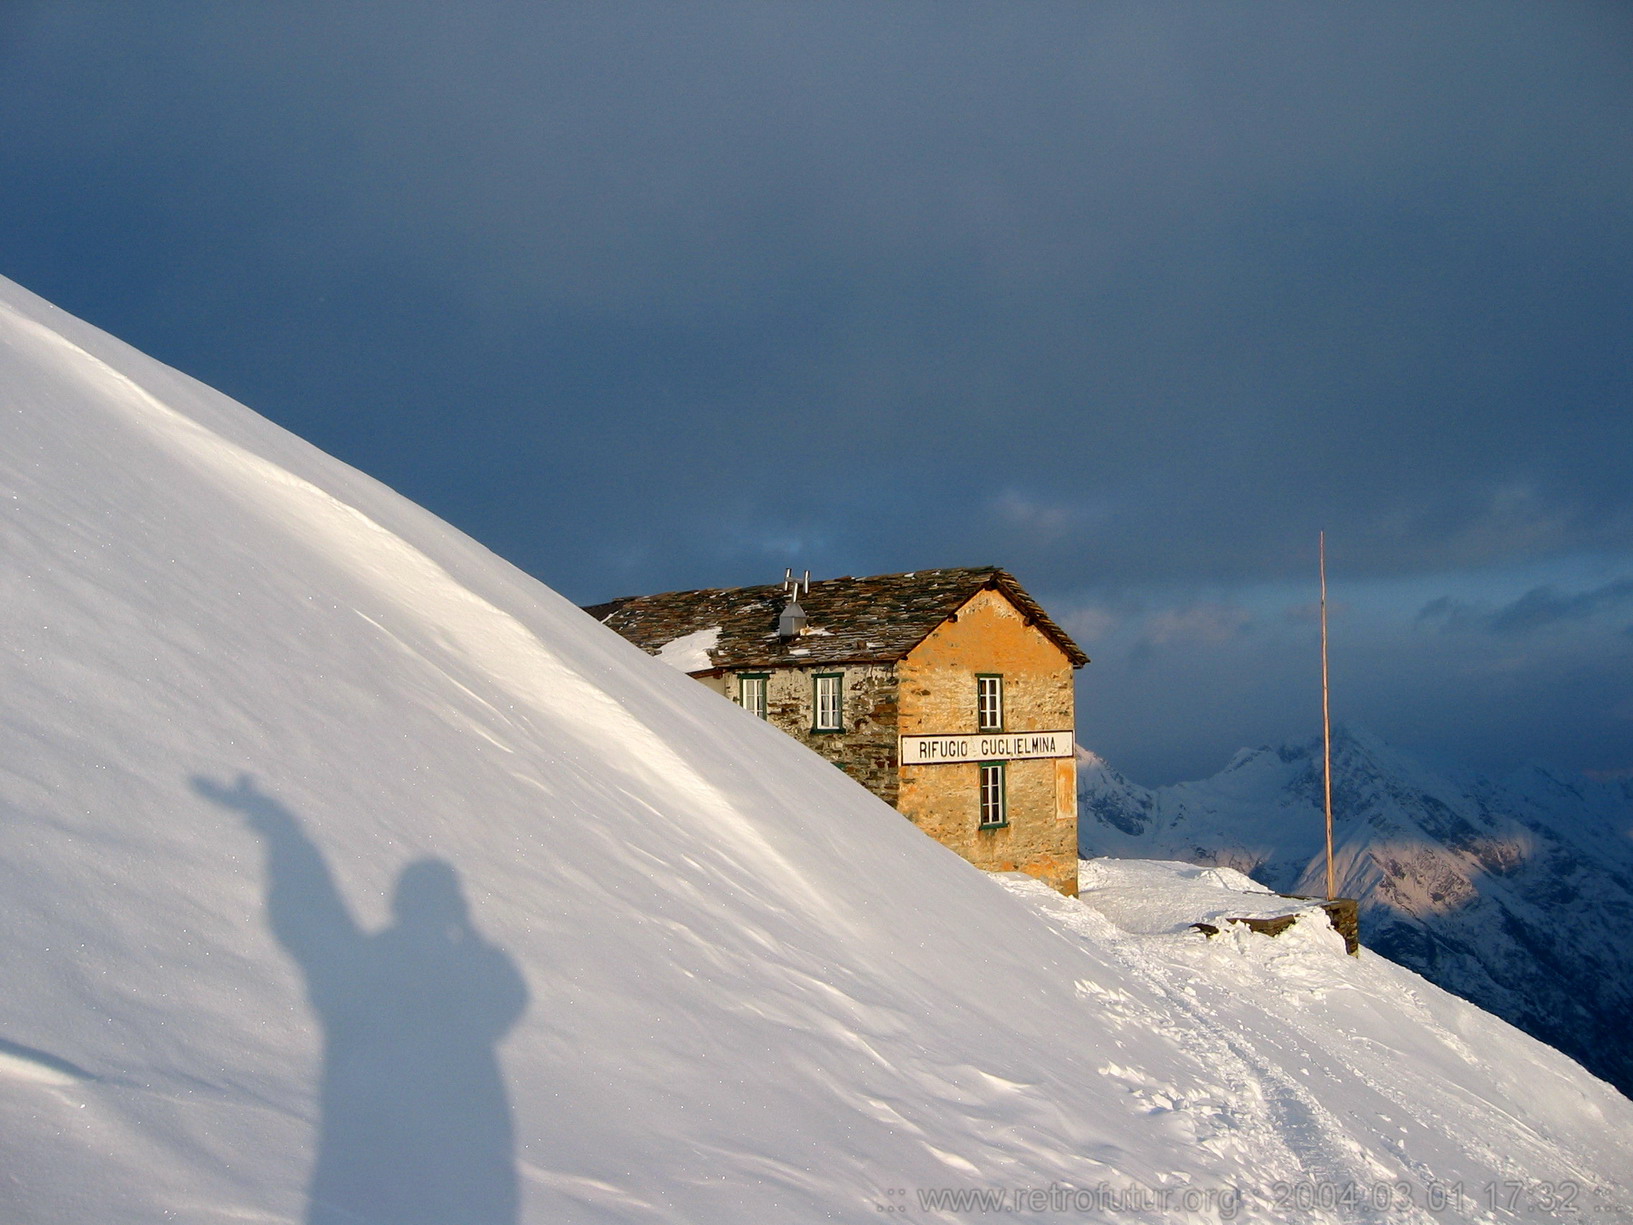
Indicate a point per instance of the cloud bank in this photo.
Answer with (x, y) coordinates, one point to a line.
(1131, 300)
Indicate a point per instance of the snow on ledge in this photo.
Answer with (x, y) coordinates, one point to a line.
(1151, 897)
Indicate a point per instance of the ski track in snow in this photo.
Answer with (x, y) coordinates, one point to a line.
(1257, 1111)
(1293, 1137)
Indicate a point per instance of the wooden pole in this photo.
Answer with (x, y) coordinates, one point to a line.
(1326, 720)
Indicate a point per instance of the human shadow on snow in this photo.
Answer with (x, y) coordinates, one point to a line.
(416, 1124)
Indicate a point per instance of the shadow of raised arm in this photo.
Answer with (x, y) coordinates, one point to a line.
(264, 814)
(304, 908)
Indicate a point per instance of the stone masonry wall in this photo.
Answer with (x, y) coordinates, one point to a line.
(866, 749)
(937, 697)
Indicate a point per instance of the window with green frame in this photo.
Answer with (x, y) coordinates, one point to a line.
(994, 802)
(751, 692)
(827, 702)
(989, 702)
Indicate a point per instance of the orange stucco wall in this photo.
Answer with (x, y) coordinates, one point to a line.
(937, 697)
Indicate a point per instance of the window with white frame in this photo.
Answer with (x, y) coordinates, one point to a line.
(829, 716)
(994, 808)
(989, 703)
(751, 693)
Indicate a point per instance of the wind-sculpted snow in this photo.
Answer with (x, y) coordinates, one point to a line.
(1513, 893)
(348, 874)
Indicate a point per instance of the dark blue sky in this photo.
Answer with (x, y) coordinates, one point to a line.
(1132, 299)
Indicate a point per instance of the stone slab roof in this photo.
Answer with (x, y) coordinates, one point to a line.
(851, 620)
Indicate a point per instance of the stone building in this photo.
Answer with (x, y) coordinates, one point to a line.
(948, 693)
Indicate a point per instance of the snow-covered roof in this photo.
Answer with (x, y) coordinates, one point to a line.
(851, 620)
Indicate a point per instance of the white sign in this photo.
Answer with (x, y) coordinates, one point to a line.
(984, 746)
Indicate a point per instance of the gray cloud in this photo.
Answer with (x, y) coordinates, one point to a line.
(1544, 606)
(1537, 609)
(1132, 299)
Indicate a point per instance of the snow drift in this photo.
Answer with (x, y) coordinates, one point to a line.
(348, 874)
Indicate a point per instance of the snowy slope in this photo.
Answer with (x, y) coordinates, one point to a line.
(1336, 1078)
(346, 873)
(1513, 893)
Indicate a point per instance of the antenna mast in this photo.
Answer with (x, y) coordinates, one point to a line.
(1326, 719)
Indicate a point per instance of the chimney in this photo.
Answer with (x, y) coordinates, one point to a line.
(792, 622)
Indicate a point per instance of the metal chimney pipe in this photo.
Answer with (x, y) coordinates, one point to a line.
(792, 622)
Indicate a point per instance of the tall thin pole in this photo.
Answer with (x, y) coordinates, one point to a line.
(1326, 720)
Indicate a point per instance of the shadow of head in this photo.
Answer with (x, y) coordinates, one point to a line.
(428, 897)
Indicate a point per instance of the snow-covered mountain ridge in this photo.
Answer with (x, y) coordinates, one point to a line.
(349, 874)
(1515, 893)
